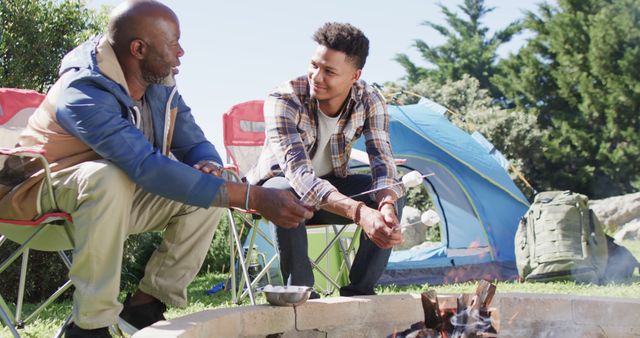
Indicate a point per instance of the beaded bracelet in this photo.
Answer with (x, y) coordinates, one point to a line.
(356, 213)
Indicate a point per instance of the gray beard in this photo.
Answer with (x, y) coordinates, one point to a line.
(168, 80)
(152, 78)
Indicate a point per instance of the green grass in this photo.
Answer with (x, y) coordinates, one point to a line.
(46, 324)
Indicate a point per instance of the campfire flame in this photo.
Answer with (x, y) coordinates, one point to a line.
(471, 316)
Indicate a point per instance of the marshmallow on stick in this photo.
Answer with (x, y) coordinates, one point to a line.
(409, 180)
(428, 218)
(412, 179)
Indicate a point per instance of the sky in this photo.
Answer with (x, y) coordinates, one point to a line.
(240, 50)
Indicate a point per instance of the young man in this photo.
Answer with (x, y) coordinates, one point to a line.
(110, 126)
(311, 124)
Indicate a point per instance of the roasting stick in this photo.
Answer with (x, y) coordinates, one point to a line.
(409, 180)
(426, 218)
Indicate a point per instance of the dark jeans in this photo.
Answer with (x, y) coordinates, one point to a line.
(370, 260)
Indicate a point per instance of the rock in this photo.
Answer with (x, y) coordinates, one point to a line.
(615, 211)
(630, 231)
(415, 233)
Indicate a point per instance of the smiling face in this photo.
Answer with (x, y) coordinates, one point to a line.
(163, 52)
(331, 74)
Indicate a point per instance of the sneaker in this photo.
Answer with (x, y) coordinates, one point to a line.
(137, 317)
(314, 295)
(74, 331)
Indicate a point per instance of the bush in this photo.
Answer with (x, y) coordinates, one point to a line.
(217, 259)
(139, 248)
(137, 251)
(45, 274)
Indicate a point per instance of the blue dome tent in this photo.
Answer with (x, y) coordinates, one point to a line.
(478, 203)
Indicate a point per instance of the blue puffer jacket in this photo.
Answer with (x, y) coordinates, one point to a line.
(94, 106)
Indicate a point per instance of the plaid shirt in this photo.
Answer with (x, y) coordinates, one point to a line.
(291, 126)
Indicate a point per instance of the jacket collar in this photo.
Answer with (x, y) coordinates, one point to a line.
(109, 65)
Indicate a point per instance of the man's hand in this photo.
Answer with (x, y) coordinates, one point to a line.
(388, 211)
(379, 226)
(281, 207)
(209, 167)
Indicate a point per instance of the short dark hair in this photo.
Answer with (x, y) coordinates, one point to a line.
(345, 38)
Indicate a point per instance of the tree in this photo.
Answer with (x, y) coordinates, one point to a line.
(36, 34)
(514, 133)
(468, 50)
(580, 77)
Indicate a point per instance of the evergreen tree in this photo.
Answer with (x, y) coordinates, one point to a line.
(468, 49)
(580, 77)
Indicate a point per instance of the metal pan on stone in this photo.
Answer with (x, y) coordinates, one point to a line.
(286, 295)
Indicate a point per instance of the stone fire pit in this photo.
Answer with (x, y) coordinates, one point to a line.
(518, 315)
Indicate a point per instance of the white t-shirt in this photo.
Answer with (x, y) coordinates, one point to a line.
(321, 160)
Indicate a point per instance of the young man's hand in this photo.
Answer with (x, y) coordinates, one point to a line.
(379, 227)
(388, 211)
(281, 207)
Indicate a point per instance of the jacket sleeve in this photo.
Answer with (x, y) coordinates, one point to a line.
(95, 117)
(189, 144)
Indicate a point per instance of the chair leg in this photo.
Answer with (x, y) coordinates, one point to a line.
(12, 319)
(60, 331)
(65, 259)
(345, 265)
(21, 283)
(238, 248)
(20, 249)
(7, 321)
(232, 259)
(343, 250)
(49, 300)
(334, 284)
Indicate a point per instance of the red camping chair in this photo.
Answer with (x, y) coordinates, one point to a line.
(49, 231)
(243, 140)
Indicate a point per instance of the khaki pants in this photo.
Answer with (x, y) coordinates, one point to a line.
(106, 207)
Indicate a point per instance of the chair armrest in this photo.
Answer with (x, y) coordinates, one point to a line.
(38, 154)
(230, 173)
(22, 151)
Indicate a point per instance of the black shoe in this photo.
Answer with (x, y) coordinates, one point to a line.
(314, 295)
(348, 291)
(137, 317)
(74, 331)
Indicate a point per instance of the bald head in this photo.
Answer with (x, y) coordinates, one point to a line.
(145, 36)
(137, 19)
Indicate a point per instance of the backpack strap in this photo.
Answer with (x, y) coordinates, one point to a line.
(592, 227)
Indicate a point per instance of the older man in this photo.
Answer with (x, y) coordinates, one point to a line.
(112, 127)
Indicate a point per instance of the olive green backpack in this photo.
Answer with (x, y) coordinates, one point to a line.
(559, 238)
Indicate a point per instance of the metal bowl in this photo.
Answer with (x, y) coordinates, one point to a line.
(286, 295)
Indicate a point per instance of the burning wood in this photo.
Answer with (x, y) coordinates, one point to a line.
(471, 318)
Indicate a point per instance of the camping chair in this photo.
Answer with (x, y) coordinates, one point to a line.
(49, 231)
(243, 140)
